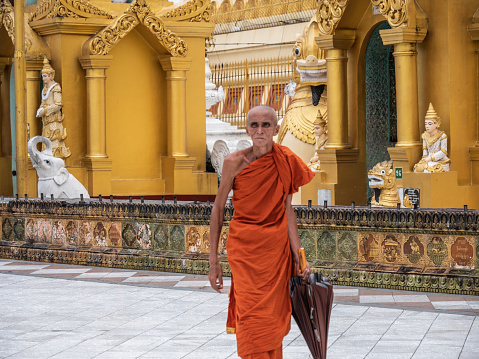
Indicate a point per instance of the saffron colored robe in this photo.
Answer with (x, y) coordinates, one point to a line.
(259, 250)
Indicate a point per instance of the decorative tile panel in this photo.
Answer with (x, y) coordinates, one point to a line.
(44, 231)
(368, 246)
(177, 238)
(85, 234)
(197, 239)
(414, 249)
(144, 236)
(58, 233)
(31, 231)
(114, 235)
(100, 235)
(348, 246)
(437, 250)
(307, 240)
(160, 237)
(7, 229)
(223, 240)
(72, 233)
(326, 245)
(462, 252)
(128, 235)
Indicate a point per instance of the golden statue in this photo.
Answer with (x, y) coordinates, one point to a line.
(434, 146)
(383, 182)
(320, 130)
(309, 66)
(51, 112)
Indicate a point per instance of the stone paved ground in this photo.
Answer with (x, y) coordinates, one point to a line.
(60, 311)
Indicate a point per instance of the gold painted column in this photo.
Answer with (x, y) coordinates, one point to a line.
(474, 150)
(20, 96)
(4, 61)
(96, 160)
(175, 68)
(408, 148)
(336, 47)
(33, 77)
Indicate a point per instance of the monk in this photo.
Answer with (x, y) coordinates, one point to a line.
(263, 237)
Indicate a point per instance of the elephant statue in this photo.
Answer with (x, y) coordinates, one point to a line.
(53, 178)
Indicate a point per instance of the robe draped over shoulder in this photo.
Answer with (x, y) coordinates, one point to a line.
(259, 251)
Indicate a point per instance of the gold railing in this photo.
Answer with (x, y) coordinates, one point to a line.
(247, 15)
(250, 83)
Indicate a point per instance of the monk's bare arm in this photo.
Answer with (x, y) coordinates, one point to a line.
(232, 165)
(294, 237)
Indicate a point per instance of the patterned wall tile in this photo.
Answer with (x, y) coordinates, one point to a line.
(100, 235)
(326, 245)
(160, 237)
(31, 231)
(197, 239)
(223, 240)
(368, 246)
(414, 249)
(348, 246)
(58, 233)
(44, 231)
(144, 236)
(477, 252)
(462, 252)
(85, 231)
(437, 250)
(307, 240)
(19, 229)
(177, 237)
(391, 249)
(7, 229)
(72, 233)
(128, 235)
(114, 235)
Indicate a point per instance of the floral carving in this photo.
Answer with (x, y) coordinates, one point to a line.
(67, 8)
(394, 10)
(193, 11)
(329, 13)
(138, 12)
(6, 18)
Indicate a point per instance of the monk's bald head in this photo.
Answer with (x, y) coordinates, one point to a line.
(262, 110)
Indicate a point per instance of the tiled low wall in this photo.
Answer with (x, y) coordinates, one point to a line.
(425, 250)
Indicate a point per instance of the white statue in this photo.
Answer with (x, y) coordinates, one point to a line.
(434, 146)
(220, 151)
(53, 177)
(320, 130)
(212, 96)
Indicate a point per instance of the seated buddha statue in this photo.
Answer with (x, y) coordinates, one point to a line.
(321, 134)
(434, 143)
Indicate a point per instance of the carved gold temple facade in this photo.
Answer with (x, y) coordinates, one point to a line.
(130, 75)
(434, 46)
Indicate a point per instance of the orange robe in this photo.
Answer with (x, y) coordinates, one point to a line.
(259, 251)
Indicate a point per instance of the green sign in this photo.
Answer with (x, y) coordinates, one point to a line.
(398, 172)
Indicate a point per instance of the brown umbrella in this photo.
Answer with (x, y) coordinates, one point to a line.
(312, 304)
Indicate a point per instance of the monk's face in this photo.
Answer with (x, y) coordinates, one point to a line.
(261, 126)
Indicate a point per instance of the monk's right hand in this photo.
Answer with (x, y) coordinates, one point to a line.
(216, 276)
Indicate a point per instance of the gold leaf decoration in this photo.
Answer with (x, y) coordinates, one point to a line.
(395, 11)
(67, 8)
(329, 13)
(6, 18)
(138, 13)
(193, 11)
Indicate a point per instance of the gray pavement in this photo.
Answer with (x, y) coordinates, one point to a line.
(52, 317)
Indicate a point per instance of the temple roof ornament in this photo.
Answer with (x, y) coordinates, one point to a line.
(193, 11)
(395, 11)
(329, 13)
(67, 8)
(137, 13)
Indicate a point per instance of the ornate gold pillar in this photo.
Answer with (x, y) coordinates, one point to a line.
(20, 97)
(474, 150)
(175, 68)
(33, 95)
(408, 148)
(4, 61)
(96, 160)
(336, 47)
